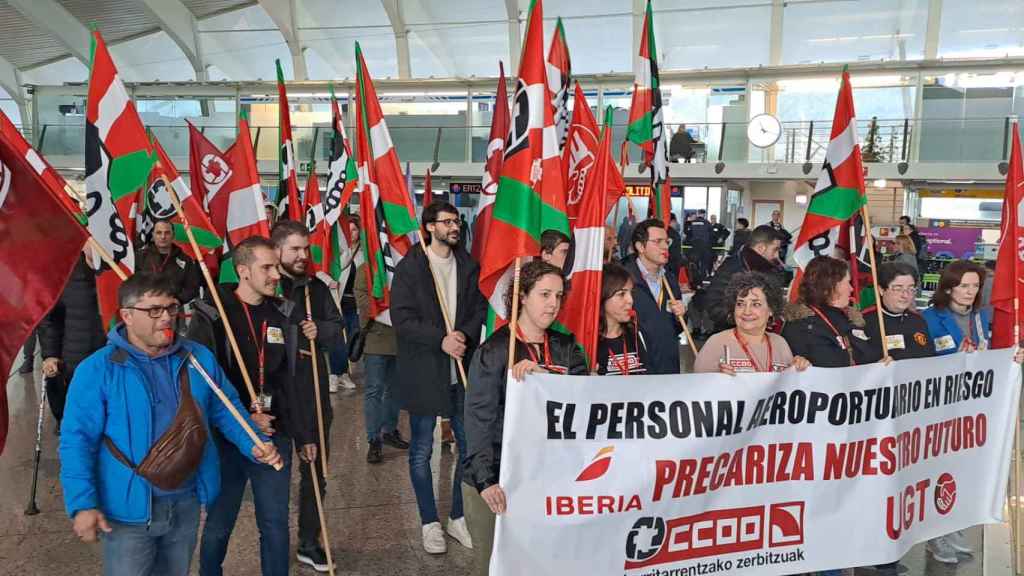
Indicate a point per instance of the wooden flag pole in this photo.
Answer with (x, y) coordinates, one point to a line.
(682, 320)
(514, 315)
(322, 453)
(231, 407)
(107, 258)
(443, 302)
(870, 241)
(215, 294)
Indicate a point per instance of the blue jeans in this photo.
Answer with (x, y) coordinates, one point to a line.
(270, 491)
(420, 449)
(339, 353)
(163, 547)
(380, 411)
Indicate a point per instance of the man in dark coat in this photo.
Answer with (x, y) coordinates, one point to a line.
(657, 313)
(760, 254)
(429, 384)
(699, 237)
(323, 323)
(784, 235)
(164, 257)
(69, 333)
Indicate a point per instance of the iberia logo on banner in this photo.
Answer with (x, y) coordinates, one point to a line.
(764, 474)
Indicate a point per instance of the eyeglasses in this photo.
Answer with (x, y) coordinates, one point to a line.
(155, 312)
(903, 289)
(661, 241)
(449, 222)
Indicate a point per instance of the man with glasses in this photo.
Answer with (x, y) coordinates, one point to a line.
(428, 382)
(122, 400)
(657, 312)
(267, 338)
(906, 330)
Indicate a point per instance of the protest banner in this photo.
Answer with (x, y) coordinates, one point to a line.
(763, 474)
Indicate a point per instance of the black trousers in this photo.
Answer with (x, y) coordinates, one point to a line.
(309, 519)
(56, 394)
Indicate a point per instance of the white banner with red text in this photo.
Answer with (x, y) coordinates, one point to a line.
(763, 474)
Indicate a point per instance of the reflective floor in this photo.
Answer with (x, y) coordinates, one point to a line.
(372, 513)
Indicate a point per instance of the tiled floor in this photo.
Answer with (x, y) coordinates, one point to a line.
(372, 511)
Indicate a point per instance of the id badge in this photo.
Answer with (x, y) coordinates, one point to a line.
(265, 401)
(895, 342)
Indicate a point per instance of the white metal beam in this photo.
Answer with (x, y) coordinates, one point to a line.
(639, 9)
(282, 12)
(49, 15)
(931, 35)
(775, 42)
(515, 35)
(179, 23)
(393, 8)
(10, 81)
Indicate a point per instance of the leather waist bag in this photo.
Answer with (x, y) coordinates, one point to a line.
(175, 456)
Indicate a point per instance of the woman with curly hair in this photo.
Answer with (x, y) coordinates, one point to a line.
(749, 302)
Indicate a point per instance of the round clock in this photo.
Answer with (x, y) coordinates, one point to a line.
(764, 130)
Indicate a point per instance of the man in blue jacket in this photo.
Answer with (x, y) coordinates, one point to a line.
(127, 395)
(656, 311)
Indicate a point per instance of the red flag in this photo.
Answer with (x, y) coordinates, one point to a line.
(319, 240)
(289, 187)
(428, 190)
(159, 204)
(579, 153)
(34, 220)
(1008, 289)
(492, 168)
(582, 308)
(236, 206)
(559, 80)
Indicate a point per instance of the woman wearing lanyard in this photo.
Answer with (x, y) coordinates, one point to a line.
(621, 350)
(538, 349)
(750, 300)
(821, 326)
(955, 322)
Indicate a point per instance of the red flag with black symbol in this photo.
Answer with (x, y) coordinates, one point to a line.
(36, 220)
(492, 167)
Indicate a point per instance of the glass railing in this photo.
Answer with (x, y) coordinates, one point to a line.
(975, 140)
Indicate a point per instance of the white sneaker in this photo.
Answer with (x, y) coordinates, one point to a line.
(333, 384)
(457, 529)
(433, 539)
(345, 381)
(941, 550)
(958, 541)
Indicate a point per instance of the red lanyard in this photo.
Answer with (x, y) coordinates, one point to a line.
(260, 343)
(623, 365)
(533, 355)
(844, 343)
(750, 356)
(164, 263)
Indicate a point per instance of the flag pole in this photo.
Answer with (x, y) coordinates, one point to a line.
(104, 254)
(1015, 492)
(214, 293)
(443, 302)
(870, 241)
(686, 329)
(231, 407)
(322, 454)
(513, 315)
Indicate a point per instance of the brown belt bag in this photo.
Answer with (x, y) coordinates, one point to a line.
(175, 456)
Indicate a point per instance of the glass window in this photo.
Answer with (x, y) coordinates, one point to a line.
(421, 124)
(962, 209)
(59, 72)
(981, 28)
(330, 29)
(599, 33)
(847, 31)
(465, 41)
(243, 45)
(150, 58)
(716, 35)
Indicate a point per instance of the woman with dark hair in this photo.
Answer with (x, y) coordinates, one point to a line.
(621, 350)
(749, 302)
(822, 326)
(956, 322)
(538, 349)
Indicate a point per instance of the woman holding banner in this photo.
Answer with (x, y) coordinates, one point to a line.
(621, 349)
(750, 301)
(539, 349)
(822, 326)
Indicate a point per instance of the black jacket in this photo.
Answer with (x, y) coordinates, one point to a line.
(675, 252)
(699, 233)
(739, 240)
(424, 370)
(809, 336)
(292, 404)
(658, 324)
(784, 237)
(907, 333)
(719, 234)
(747, 260)
(179, 268)
(73, 330)
(328, 330)
(485, 399)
